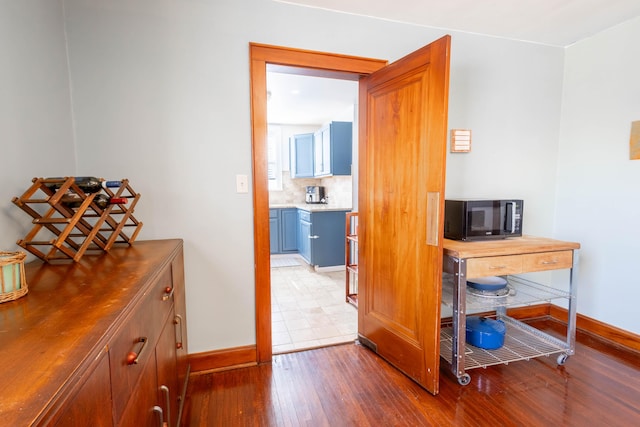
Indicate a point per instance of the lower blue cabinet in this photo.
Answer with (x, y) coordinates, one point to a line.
(274, 230)
(289, 230)
(283, 230)
(321, 237)
(304, 242)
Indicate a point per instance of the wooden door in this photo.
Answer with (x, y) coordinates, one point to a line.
(403, 121)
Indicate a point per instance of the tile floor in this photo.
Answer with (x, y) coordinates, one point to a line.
(308, 308)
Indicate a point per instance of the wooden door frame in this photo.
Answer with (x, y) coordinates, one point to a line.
(295, 61)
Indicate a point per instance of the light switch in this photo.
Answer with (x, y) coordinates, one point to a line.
(242, 184)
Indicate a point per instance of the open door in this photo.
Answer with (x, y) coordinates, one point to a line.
(403, 132)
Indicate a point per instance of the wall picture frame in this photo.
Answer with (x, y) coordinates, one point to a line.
(634, 141)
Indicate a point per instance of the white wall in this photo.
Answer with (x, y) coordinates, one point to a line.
(509, 94)
(598, 200)
(161, 96)
(36, 136)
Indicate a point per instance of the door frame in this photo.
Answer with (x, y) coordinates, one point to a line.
(294, 61)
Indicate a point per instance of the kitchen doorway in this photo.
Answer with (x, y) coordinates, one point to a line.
(308, 305)
(308, 63)
(414, 92)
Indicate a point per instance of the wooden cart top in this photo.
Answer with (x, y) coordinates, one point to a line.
(509, 246)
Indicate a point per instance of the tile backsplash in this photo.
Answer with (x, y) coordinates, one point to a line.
(338, 188)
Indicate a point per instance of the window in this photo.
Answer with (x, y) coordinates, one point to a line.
(274, 157)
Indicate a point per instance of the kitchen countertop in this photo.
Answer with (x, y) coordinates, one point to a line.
(310, 207)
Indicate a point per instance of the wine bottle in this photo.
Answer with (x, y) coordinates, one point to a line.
(72, 202)
(111, 184)
(102, 200)
(88, 184)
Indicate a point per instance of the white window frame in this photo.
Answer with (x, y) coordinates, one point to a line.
(274, 158)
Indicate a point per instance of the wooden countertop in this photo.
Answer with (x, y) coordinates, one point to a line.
(509, 246)
(66, 318)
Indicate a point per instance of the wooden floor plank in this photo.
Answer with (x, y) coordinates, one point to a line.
(349, 385)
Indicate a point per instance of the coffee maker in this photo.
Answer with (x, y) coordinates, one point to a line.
(315, 194)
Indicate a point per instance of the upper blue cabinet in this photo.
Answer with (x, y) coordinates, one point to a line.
(326, 152)
(332, 149)
(301, 155)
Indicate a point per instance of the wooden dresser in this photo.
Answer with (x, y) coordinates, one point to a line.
(100, 342)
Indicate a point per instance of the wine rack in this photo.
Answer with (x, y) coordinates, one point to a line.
(68, 222)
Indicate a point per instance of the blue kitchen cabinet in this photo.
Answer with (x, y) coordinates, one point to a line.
(283, 230)
(321, 237)
(332, 149)
(323, 153)
(301, 156)
(288, 230)
(274, 231)
(304, 232)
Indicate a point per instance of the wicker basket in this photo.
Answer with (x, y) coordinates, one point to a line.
(13, 283)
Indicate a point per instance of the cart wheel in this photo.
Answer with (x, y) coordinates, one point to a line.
(464, 379)
(562, 359)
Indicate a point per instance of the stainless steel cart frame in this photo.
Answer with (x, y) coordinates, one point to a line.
(536, 342)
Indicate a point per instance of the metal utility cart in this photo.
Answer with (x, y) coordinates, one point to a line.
(507, 258)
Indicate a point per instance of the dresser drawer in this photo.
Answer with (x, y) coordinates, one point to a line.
(547, 261)
(144, 324)
(494, 266)
(142, 398)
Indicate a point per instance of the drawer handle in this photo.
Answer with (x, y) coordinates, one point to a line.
(158, 410)
(167, 398)
(168, 293)
(177, 320)
(133, 356)
(555, 261)
(497, 267)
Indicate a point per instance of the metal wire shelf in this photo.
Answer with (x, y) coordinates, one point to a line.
(524, 292)
(522, 342)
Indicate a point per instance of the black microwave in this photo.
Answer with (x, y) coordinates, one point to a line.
(470, 219)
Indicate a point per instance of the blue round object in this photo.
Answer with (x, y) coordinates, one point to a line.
(490, 283)
(485, 333)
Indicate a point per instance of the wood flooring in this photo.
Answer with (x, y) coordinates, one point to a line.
(348, 385)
